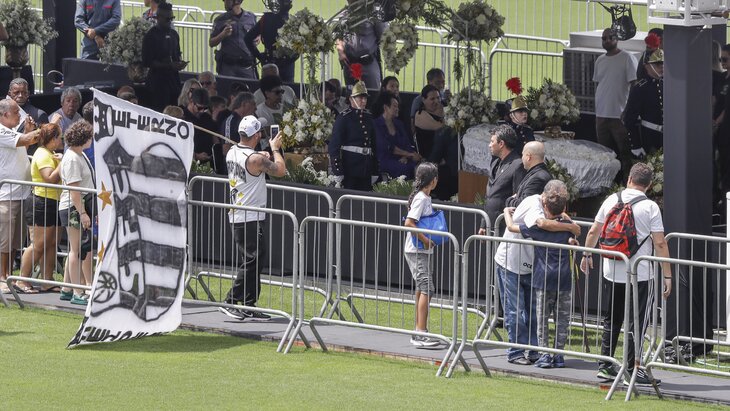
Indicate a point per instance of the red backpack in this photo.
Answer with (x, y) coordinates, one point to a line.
(619, 230)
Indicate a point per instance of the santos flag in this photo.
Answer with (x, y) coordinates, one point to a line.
(142, 163)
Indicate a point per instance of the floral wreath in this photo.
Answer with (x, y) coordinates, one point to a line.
(396, 59)
(468, 108)
(476, 20)
(304, 33)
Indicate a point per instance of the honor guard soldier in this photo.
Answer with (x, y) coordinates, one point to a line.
(234, 59)
(644, 113)
(518, 121)
(352, 146)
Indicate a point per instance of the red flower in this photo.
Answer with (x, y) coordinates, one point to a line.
(356, 71)
(653, 41)
(514, 85)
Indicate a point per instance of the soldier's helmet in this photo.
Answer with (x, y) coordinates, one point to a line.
(517, 103)
(359, 89)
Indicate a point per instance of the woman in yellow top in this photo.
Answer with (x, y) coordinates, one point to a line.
(45, 168)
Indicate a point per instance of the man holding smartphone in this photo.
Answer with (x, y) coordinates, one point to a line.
(161, 53)
(247, 169)
(229, 30)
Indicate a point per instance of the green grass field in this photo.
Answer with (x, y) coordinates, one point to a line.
(192, 370)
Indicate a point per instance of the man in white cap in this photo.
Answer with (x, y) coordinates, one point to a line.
(246, 175)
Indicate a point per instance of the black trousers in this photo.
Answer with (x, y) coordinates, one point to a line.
(250, 241)
(358, 183)
(613, 317)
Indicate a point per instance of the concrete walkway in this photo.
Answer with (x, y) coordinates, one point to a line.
(208, 319)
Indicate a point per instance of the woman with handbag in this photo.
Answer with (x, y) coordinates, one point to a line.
(76, 171)
(43, 219)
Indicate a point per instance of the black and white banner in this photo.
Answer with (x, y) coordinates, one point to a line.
(143, 160)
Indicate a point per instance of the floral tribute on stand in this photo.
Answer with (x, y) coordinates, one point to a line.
(551, 105)
(469, 108)
(309, 123)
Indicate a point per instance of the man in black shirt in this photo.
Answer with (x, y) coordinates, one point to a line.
(196, 112)
(268, 28)
(161, 53)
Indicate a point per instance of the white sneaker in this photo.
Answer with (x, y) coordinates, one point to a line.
(429, 342)
(417, 340)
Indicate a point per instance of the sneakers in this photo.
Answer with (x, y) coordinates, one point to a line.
(642, 378)
(235, 313)
(520, 361)
(241, 314)
(607, 372)
(545, 361)
(558, 361)
(66, 295)
(424, 342)
(80, 299)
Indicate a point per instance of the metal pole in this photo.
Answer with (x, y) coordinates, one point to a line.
(727, 262)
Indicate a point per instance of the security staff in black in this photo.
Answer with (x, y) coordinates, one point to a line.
(234, 59)
(518, 113)
(268, 28)
(352, 146)
(161, 53)
(644, 112)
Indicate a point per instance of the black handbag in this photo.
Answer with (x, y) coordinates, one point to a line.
(622, 21)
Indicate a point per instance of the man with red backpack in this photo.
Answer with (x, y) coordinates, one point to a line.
(624, 223)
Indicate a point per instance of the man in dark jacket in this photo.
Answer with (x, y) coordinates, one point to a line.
(533, 159)
(505, 174)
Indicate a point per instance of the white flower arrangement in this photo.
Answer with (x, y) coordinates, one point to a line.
(396, 59)
(552, 104)
(304, 33)
(475, 21)
(409, 9)
(124, 45)
(469, 108)
(25, 25)
(310, 122)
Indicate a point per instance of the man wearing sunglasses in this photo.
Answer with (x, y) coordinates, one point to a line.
(161, 53)
(272, 109)
(197, 112)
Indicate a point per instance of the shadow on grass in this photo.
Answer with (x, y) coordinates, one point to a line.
(174, 343)
(11, 333)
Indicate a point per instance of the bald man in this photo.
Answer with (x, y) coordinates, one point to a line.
(533, 159)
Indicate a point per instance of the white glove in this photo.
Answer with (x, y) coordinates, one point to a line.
(373, 179)
(638, 152)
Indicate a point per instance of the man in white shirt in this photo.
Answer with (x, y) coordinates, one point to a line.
(14, 165)
(614, 72)
(513, 264)
(649, 225)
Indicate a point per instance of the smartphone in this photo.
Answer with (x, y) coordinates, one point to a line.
(273, 130)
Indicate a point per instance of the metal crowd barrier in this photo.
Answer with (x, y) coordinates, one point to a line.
(571, 349)
(363, 269)
(689, 273)
(300, 201)
(29, 223)
(272, 300)
(463, 222)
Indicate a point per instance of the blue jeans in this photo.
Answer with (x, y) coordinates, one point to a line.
(520, 315)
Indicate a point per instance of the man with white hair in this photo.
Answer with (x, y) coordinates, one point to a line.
(247, 169)
(14, 165)
(289, 98)
(207, 80)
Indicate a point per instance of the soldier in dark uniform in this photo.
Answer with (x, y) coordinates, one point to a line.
(644, 112)
(352, 146)
(161, 53)
(268, 28)
(229, 29)
(518, 113)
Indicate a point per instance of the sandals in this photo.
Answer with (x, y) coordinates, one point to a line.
(54, 289)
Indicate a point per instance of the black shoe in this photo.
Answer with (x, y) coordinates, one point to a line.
(236, 313)
(642, 378)
(255, 315)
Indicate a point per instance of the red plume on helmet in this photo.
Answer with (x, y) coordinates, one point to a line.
(652, 41)
(514, 85)
(356, 71)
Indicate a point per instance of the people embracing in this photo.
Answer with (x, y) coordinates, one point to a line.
(514, 267)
